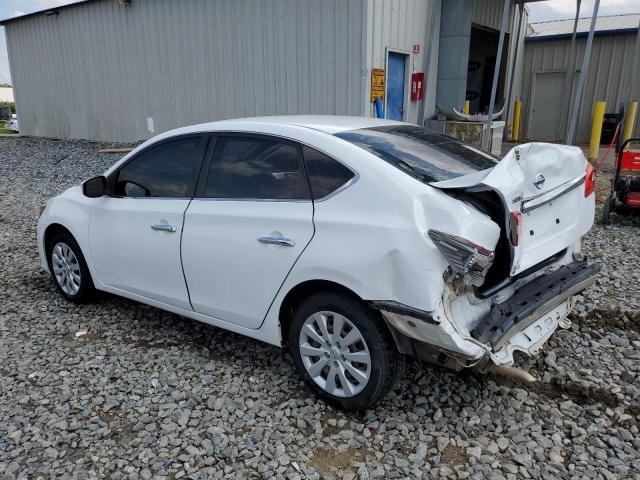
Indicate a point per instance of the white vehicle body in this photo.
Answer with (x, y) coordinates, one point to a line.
(374, 237)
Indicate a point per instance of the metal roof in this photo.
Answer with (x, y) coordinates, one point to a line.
(46, 11)
(605, 24)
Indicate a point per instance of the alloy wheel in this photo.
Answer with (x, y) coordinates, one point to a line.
(66, 268)
(335, 354)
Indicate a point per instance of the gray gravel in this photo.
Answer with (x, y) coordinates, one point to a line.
(147, 394)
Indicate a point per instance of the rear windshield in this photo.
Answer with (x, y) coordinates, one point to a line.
(423, 154)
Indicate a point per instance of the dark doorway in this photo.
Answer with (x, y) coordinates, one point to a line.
(483, 50)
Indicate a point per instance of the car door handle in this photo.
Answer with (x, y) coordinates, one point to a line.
(285, 242)
(164, 228)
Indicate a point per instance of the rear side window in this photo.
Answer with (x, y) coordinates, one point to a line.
(421, 153)
(166, 170)
(256, 168)
(326, 175)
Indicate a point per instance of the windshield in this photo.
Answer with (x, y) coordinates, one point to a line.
(421, 153)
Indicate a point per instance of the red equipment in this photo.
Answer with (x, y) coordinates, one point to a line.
(625, 189)
(417, 86)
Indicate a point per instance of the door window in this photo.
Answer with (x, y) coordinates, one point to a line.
(166, 170)
(326, 175)
(256, 168)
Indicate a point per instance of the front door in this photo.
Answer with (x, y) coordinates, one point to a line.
(396, 77)
(250, 221)
(134, 234)
(546, 110)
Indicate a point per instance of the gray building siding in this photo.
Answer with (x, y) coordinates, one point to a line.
(609, 76)
(489, 14)
(398, 25)
(99, 70)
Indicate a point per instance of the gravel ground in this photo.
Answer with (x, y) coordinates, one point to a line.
(148, 394)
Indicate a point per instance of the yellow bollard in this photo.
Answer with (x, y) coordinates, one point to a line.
(629, 120)
(596, 130)
(517, 109)
(466, 107)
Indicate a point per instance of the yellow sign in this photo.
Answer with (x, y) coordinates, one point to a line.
(377, 84)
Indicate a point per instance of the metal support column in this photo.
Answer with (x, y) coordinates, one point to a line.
(514, 62)
(575, 108)
(428, 48)
(486, 135)
(634, 62)
(568, 77)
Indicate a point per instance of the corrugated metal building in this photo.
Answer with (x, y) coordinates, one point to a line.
(124, 70)
(547, 52)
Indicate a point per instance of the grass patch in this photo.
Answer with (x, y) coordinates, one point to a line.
(3, 131)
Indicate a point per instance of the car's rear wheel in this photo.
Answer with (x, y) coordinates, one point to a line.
(69, 269)
(343, 350)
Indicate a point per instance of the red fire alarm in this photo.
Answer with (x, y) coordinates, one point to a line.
(417, 86)
(416, 48)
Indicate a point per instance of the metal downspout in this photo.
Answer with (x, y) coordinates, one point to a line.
(427, 61)
(583, 77)
(507, 109)
(568, 77)
(486, 135)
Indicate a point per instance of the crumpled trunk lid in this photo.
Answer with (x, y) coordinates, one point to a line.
(544, 184)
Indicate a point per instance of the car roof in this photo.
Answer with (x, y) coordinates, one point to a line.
(325, 123)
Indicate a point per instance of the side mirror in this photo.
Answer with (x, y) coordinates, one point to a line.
(95, 187)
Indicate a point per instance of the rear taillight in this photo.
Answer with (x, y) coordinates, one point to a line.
(589, 180)
(515, 228)
(465, 257)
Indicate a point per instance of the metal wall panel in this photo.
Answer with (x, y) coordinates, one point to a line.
(398, 25)
(489, 13)
(99, 70)
(609, 76)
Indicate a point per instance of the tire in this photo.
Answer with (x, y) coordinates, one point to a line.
(606, 211)
(356, 385)
(68, 268)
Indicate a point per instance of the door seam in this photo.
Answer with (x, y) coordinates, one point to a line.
(184, 276)
(313, 224)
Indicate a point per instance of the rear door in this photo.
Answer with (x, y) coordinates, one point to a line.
(250, 221)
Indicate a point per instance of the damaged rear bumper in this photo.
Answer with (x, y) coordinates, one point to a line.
(532, 301)
(524, 322)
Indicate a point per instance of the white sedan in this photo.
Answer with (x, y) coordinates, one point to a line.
(352, 241)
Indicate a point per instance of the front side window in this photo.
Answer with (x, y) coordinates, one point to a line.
(426, 155)
(166, 170)
(326, 175)
(256, 168)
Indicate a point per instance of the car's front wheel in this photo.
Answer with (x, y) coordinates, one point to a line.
(69, 269)
(343, 350)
